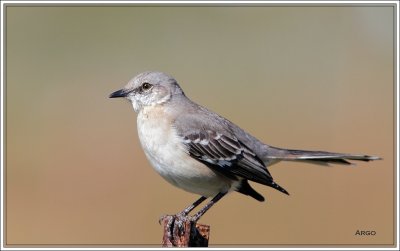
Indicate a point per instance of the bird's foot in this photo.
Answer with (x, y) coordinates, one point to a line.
(181, 222)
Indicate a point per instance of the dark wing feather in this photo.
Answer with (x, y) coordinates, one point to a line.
(229, 156)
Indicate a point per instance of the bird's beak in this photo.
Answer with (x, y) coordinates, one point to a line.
(119, 94)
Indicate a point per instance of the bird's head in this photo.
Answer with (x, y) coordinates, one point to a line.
(149, 89)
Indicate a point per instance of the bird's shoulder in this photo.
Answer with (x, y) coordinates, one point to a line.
(195, 118)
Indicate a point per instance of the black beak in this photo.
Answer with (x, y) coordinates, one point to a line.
(119, 94)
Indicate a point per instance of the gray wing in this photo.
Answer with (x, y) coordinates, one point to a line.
(227, 155)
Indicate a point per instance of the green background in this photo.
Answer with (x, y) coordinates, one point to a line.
(306, 77)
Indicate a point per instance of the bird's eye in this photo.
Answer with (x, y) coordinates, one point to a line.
(146, 86)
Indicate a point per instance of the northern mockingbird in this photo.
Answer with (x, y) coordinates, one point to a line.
(201, 152)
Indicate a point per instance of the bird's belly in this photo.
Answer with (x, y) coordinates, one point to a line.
(168, 156)
(192, 177)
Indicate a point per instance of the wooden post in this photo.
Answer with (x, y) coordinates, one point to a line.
(190, 234)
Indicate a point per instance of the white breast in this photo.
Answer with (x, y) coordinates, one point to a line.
(168, 156)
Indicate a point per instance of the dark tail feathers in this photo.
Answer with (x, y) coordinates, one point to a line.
(246, 189)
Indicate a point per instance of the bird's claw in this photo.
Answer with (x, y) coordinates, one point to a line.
(162, 217)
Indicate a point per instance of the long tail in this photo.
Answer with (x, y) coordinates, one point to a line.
(317, 157)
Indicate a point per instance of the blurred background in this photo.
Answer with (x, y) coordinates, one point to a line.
(317, 78)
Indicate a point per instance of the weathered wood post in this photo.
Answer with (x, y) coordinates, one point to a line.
(190, 234)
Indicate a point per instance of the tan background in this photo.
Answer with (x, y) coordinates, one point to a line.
(296, 77)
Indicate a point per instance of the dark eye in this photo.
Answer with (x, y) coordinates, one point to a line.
(146, 86)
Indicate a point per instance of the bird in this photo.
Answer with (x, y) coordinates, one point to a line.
(202, 152)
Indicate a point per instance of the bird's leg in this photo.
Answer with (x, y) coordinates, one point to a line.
(202, 211)
(180, 218)
(189, 209)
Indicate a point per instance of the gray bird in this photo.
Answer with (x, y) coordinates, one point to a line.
(201, 152)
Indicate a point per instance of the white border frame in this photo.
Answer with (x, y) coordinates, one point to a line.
(3, 3)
